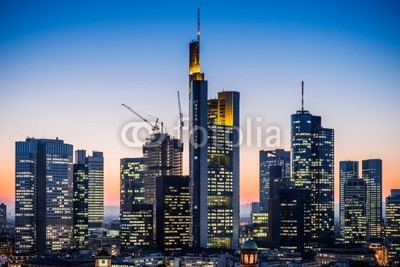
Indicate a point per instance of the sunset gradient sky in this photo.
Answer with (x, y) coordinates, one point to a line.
(66, 67)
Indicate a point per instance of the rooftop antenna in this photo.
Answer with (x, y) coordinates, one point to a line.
(198, 24)
(302, 95)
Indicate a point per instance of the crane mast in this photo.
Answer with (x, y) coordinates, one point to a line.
(180, 117)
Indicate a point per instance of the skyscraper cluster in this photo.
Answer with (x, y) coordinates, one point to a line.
(52, 196)
(60, 201)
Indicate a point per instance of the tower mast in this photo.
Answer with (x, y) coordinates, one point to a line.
(198, 25)
(302, 95)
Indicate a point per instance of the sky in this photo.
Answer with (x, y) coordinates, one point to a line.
(66, 67)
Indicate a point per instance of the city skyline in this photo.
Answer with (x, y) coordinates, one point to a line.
(85, 91)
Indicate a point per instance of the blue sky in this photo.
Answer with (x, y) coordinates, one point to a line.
(66, 66)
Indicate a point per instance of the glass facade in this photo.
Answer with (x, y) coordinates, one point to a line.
(355, 223)
(372, 175)
(173, 215)
(162, 155)
(136, 217)
(95, 165)
(198, 95)
(223, 171)
(313, 170)
(43, 190)
(392, 229)
(347, 170)
(278, 157)
(80, 206)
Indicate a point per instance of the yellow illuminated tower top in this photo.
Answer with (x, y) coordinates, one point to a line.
(194, 55)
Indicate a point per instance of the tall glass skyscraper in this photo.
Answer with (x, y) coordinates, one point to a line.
(372, 174)
(80, 204)
(43, 195)
(223, 171)
(313, 169)
(269, 158)
(213, 160)
(172, 213)
(198, 96)
(355, 222)
(136, 217)
(95, 165)
(347, 170)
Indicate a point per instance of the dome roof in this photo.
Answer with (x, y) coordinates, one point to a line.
(249, 245)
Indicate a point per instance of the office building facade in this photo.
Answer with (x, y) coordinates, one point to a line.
(80, 205)
(136, 216)
(347, 170)
(313, 170)
(43, 195)
(372, 175)
(95, 165)
(392, 228)
(173, 216)
(355, 220)
(223, 171)
(162, 155)
(268, 158)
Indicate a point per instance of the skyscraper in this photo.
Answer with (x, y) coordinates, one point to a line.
(223, 171)
(80, 203)
(173, 216)
(392, 229)
(313, 169)
(347, 170)
(268, 158)
(214, 159)
(136, 217)
(43, 195)
(95, 165)
(3, 217)
(355, 222)
(162, 155)
(372, 174)
(393, 213)
(198, 95)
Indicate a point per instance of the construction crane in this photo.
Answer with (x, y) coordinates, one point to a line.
(154, 127)
(180, 117)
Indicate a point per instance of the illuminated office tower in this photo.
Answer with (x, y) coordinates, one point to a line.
(393, 213)
(43, 195)
(223, 171)
(293, 205)
(198, 96)
(372, 174)
(392, 229)
(3, 217)
(313, 169)
(136, 217)
(355, 222)
(268, 158)
(259, 226)
(162, 155)
(80, 202)
(347, 170)
(213, 159)
(173, 216)
(95, 165)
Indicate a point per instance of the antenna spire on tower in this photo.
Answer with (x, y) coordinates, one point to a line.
(302, 95)
(198, 24)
